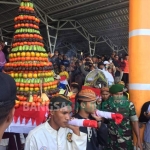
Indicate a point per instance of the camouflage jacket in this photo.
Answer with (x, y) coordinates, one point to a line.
(122, 133)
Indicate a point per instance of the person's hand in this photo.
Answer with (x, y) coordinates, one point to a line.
(80, 63)
(83, 61)
(52, 54)
(117, 118)
(75, 129)
(99, 101)
(139, 145)
(90, 60)
(97, 118)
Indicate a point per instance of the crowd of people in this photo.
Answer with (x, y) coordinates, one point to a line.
(115, 68)
(56, 133)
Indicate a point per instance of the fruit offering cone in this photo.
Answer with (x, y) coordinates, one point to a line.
(28, 63)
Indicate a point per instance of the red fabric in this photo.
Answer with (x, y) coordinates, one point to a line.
(96, 90)
(73, 104)
(62, 78)
(90, 123)
(117, 118)
(126, 68)
(36, 114)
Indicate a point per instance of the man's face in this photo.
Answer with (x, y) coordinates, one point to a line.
(90, 107)
(65, 57)
(62, 116)
(56, 53)
(112, 55)
(105, 95)
(118, 95)
(62, 68)
(72, 64)
(101, 67)
(116, 57)
(127, 57)
(94, 59)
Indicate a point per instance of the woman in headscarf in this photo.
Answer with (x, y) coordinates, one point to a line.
(2, 58)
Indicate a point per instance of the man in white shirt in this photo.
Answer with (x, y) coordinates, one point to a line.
(57, 134)
(108, 76)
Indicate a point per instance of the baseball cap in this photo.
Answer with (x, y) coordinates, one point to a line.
(8, 90)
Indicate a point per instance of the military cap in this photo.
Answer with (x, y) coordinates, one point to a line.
(116, 88)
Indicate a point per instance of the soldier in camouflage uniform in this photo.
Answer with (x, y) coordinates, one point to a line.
(120, 136)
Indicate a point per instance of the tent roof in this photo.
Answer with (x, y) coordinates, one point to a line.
(99, 17)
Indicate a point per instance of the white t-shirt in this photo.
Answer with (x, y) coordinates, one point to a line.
(44, 137)
(109, 77)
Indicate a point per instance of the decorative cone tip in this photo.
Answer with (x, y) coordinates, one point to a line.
(28, 60)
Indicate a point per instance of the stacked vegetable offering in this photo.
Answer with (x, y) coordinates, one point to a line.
(29, 64)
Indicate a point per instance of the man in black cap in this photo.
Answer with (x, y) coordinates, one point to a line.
(56, 133)
(7, 101)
